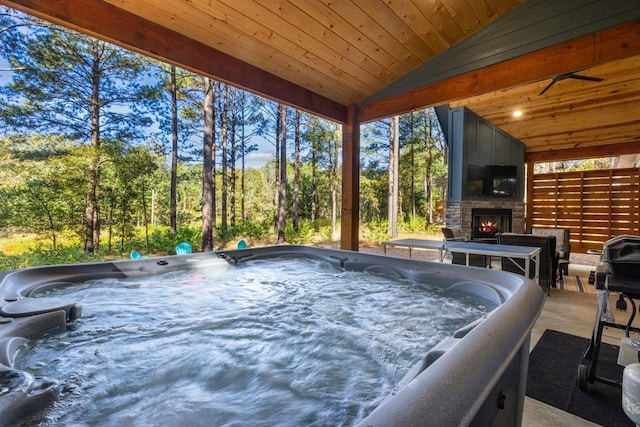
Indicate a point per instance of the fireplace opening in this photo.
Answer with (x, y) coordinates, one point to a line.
(485, 223)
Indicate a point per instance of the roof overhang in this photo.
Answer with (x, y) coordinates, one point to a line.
(327, 57)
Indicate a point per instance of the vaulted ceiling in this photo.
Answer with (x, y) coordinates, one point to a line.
(392, 56)
(574, 117)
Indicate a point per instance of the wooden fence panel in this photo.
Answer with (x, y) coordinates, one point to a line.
(594, 205)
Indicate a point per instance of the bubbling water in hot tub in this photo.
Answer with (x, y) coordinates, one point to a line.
(277, 342)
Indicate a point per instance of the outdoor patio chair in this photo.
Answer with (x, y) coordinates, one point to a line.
(563, 245)
(183, 249)
(548, 257)
(137, 255)
(455, 234)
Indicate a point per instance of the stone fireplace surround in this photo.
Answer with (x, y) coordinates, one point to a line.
(458, 213)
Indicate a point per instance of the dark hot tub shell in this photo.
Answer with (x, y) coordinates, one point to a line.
(481, 381)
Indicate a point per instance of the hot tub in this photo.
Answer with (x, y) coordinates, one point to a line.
(476, 375)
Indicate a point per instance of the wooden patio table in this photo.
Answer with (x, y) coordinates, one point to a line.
(508, 251)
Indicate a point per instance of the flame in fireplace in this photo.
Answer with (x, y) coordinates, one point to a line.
(488, 226)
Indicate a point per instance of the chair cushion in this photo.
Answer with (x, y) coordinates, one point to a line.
(557, 232)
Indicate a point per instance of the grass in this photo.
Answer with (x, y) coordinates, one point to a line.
(20, 250)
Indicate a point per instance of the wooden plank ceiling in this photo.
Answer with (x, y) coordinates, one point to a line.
(339, 52)
(343, 50)
(323, 56)
(573, 117)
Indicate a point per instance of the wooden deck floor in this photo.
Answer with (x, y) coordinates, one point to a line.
(572, 313)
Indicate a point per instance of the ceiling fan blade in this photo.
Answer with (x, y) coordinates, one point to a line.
(569, 76)
(589, 78)
(551, 83)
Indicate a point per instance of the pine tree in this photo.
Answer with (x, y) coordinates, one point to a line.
(79, 87)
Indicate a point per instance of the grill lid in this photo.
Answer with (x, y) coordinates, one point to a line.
(622, 255)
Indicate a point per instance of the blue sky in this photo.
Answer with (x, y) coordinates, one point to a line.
(4, 75)
(255, 159)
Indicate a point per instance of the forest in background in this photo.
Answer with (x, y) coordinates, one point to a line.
(103, 151)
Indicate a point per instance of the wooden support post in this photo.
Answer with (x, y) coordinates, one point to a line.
(350, 223)
(529, 216)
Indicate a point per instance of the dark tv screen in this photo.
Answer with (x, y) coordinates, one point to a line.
(492, 181)
(504, 186)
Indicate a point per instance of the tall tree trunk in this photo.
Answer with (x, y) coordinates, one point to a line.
(224, 155)
(153, 207)
(413, 166)
(276, 171)
(296, 176)
(394, 152)
(208, 166)
(243, 150)
(123, 216)
(428, 176)
(92, 236)
(174, 153)
(232, 160)
(110, 236)
(145, 215)
(282, 199)
(445, 183)
(334, 189)
(314, 185)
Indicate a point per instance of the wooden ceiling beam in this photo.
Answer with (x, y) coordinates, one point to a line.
(619, 42)
(500, 111)
(537, 146)
(611, 150)
(106, 22)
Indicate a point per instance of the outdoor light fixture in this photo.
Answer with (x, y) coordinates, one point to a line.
(517, 113)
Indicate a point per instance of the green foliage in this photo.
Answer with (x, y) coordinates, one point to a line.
(56, 73)
(47, 178)
(326, 232)
(376, 231)
(302, 236)
(43, 182)
(226, 234)
(419, 225)
(253, 230)
(244, 230)
(413, 225)
(61, 255)
(161, 241)
(373, 194)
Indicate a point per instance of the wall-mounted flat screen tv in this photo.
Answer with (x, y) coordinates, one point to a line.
(492, 181)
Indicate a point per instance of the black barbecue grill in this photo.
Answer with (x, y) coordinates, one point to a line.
(617, 272)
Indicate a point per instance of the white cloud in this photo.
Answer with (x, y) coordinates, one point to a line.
(257, 159)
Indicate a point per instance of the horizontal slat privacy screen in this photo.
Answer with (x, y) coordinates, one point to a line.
(594, 205)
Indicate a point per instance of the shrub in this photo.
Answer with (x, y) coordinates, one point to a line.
(35, 257)
(254, 230)
(302, 236)
(376, 231)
